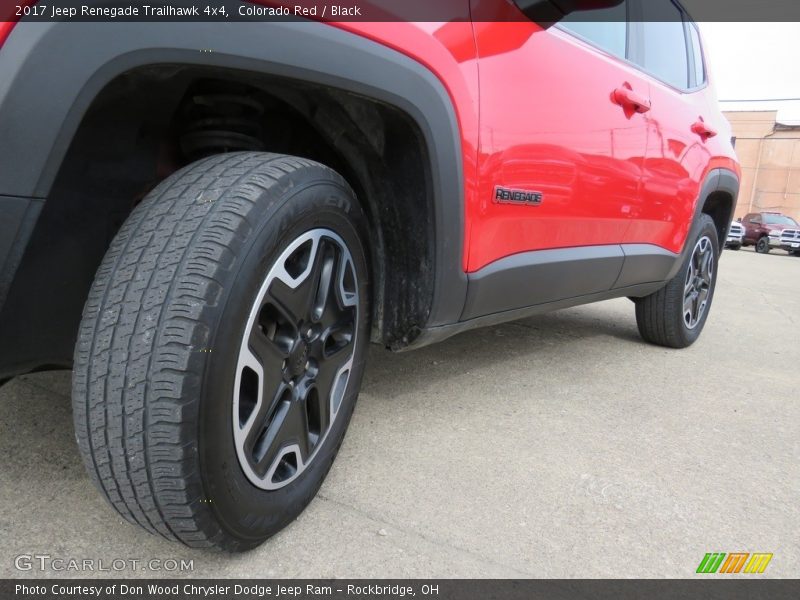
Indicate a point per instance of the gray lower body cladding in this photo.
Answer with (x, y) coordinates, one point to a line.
(541, 281)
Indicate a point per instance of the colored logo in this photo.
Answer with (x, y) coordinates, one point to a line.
(736, 562)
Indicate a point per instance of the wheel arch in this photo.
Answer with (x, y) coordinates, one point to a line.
(718, 201)
(427, 279)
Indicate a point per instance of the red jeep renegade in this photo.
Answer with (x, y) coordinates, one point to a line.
(210, 240)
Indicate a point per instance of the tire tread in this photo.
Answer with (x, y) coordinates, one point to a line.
(139, 357)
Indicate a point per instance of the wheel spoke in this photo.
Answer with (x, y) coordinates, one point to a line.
(705, 265)
(274, 332)
(688, 304)
(688, 309)
(339, 310)
(274, 396)
(338, 338)
(294, 301)
(327, 267)
(318, 416)
(702, 300)
(302, 299)
(287, 428)
(690, 276)
(266, 350)
(332, 376)
(695, 308)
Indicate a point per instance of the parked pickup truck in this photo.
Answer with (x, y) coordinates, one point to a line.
(210, 240)
(735, 237)
(788, 240)
(765, 231)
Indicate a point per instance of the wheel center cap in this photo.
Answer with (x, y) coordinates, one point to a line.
(298, 358)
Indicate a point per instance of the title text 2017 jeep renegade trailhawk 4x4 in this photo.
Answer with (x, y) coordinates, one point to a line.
(211, 239)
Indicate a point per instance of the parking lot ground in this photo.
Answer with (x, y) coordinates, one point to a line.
(557, 446)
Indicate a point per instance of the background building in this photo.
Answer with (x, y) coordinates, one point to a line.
(769, 152)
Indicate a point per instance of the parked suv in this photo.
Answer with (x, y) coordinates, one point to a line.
(765, 230)
(210, 240)
(735, 236)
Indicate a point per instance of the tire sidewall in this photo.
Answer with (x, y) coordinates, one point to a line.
(246, 513)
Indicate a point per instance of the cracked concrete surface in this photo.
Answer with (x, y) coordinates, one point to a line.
(558, 446)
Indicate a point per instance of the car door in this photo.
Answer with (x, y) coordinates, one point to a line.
(666, 46)
(562, 138)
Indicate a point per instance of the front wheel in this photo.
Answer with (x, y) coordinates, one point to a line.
(675, 315)
(222, 347)
(762, 246)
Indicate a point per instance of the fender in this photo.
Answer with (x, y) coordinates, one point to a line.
(717, 180)
(36, 131)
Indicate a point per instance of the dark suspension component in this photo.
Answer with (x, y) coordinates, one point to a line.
(216, 123)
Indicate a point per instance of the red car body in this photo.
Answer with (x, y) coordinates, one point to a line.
(638, 186)
(280, 194)
(620, 160)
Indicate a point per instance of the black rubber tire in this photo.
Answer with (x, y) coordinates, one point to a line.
(795, 253)
(735, 247)
(659, 316)
(155, 358)
(762, 245)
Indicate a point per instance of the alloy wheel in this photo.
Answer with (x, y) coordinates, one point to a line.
(699, 278)
(295, 359)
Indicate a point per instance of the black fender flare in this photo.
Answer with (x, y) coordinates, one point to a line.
(51, 72)
(718, 180)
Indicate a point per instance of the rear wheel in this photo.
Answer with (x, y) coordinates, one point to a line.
(734, 247)
(222, 348)
(675, 315)
(762, 246)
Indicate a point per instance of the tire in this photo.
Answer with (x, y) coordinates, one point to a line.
(204, 278)
(762, 246)
(735, 247)
(661, 316)
(795, 253)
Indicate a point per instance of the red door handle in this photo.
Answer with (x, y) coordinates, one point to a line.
(703, 130)
(630, 100)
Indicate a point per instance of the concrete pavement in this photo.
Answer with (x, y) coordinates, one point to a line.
(558, 446)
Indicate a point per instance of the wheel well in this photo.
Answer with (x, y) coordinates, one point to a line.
(719, 206)
(150, 121)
